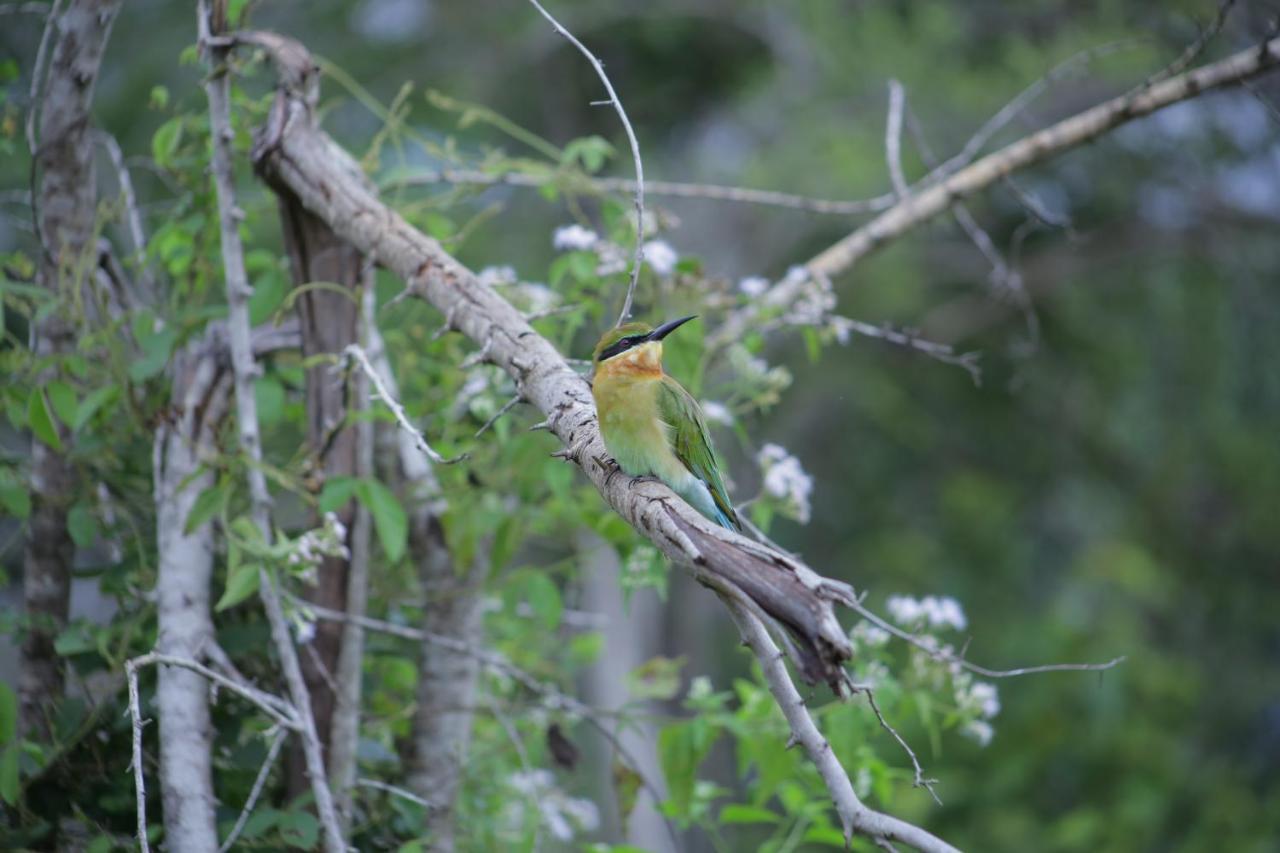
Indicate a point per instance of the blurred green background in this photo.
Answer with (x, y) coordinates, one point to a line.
(1112, 488)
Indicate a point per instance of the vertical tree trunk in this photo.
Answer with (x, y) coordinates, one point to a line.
(64, 155)
(330, 323)
(185, 567)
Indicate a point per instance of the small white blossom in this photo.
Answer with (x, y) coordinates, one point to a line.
(613, 259)
(717, 412)
(903, 609)
(934, 611)
(660, 257)
(700, 687)
(979, 731)
(534, 297)
(562, 815)
(753, 285)
(497, 276)
(304, 627)
(568, 238)
(985, 698)
(640, 559)
(862, 783)
(786, 480)
(869, 635)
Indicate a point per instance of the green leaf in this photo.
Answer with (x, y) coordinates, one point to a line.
(156, 347)
(207, 504)
(242, 582)
(40, 419)
(268, 292)
(544, 598)
(337, 491)
(9, 773)
(74, 640)
(269, 394)
(82, 526)
(63, 398)
(165, 141)
(300, 829)
(656, 678)
(626, 788)
(93, 401)
(738, 813)
(827, 835)
(14, 497)
(8, 713)
(389, 518)
(159, 99)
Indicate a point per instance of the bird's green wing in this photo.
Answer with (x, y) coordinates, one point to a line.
(692, 445)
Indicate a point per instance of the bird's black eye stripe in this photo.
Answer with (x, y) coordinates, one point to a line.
(621, 345)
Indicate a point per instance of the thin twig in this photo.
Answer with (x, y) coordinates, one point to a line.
(139, 778)
(397, 410)
(263, 773)
(674, 189)
(920, 780)
(506, 407)
(393, 790)
(893, 139)
(635, 155)
(943, 656)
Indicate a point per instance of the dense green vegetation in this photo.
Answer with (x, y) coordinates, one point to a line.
(1112, 487)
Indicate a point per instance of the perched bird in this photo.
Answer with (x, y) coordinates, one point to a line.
(651, 425)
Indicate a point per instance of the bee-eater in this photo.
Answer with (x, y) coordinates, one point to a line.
(651, 425)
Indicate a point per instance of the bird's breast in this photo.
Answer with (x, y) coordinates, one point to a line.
(633, 432)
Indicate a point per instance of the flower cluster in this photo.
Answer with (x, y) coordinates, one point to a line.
(563, 816)
(931, 611)
(310, 549)
(659, 255)
(786, 481)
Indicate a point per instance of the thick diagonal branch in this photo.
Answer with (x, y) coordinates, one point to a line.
(924, 204)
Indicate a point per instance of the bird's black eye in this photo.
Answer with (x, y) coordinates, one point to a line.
(621, 345)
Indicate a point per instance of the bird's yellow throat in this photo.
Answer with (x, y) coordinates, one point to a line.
(640, 362)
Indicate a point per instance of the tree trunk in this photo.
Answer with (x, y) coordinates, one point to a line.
(185, 568)
(64, 156)
(330, 323)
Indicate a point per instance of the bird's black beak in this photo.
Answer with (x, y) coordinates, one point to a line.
(669, 327)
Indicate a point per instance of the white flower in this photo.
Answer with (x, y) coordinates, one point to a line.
(717, 412)
(304, 628)
(869, 635)
(535, 298)
(979, 731)
(936, 612)
(944, 612)
(786, 480)
(660, 257)
(568, 238)
(903, 609)
(985, 697)
(496, 276)
(612, 259)
(562, 815)
(753, 285)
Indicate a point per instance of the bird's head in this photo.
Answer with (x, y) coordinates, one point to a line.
(635, 347)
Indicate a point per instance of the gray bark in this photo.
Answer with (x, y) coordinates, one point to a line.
(66, 204)
(185, 568)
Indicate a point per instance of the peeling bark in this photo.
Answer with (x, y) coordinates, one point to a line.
(65, 222)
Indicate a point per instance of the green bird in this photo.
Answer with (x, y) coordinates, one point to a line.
(651, 425)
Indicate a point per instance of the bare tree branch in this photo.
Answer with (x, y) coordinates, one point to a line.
(635, 155)
(855, 817)
(675, 189)
(259, 782)
(1069, 133)
(217, 88)
(397, 410)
